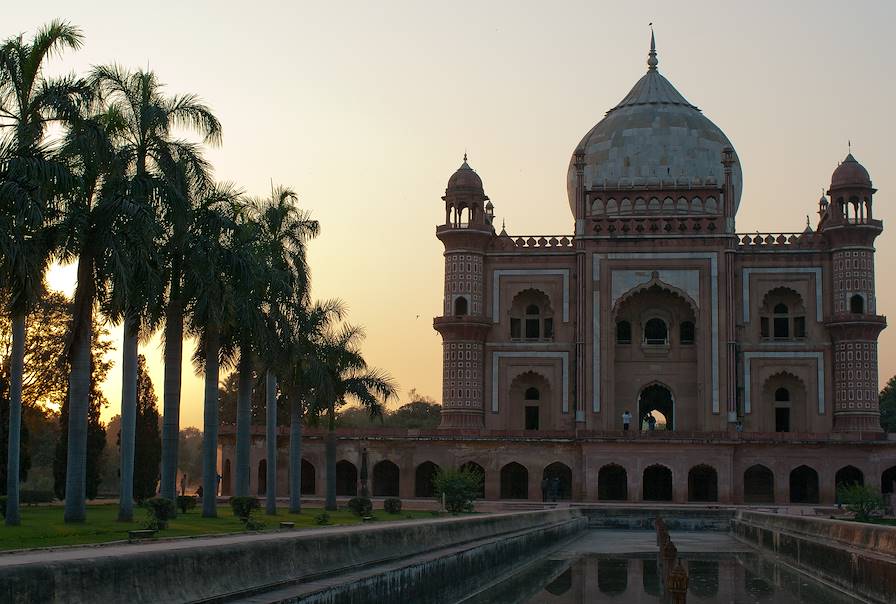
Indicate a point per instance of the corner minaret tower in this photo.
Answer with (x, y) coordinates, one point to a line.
(849, 226)
(463, 325)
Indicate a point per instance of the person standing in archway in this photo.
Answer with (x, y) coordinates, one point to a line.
(651, 422)
(626, 420)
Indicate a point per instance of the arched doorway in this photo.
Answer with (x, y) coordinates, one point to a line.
(612, 483)
(612, 575)
(656, 400)
(309, 478)
(759, 485)
(514, 481)
(657, 483)
(423, 479)
(472, 466)
(887, 480)
(225, 478)
(262, 477)
(804, 485)
(703, 483)
(559, 478)
(848, 476)
(385, 479)
(346, 479)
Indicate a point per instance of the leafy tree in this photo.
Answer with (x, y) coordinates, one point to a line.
(96, 432)
(458, 487)
(888, 406)
(29, 181)
(862, 500)
(148, 452)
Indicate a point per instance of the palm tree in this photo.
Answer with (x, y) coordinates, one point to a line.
(149, 146)
(284, 230)
(101, 227)
(215, 267)
(29, 179)
(345, 376)
(298, 367)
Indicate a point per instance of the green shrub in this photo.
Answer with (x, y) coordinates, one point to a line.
(863, 501)
(160, 511)
(322, 519)
(186, 503)
(3, 506)
(459, 487)
(360, 506)
(392, 505)
(253, 524)
(31, 496)
(242, 506)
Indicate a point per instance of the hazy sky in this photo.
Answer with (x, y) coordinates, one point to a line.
(366, 108)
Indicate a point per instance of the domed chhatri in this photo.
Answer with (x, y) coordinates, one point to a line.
(850, 173)
(654, 139)
(465, 178)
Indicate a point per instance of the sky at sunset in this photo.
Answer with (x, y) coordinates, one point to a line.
(366, 109)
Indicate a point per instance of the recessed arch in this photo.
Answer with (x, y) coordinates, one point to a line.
(703, 483)
(888, 480)
(559, 477)
(386, 478)
(660, 287)
(423, 477)
(514, 481)
(346, 479)
(848, 476)
(759, 484)
(612, 483)
(309, 478)
(657, 483)
(461, 306)
(262, 476)
(803, 485)
(657, 397)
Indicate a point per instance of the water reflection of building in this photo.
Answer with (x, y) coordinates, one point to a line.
(756, 352)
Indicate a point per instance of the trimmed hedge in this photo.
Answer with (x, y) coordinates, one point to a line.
(392, 505)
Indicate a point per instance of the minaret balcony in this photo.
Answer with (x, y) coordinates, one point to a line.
(462, 326)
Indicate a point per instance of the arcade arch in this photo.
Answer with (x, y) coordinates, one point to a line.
(612, 483)
(346, 479)
(386, 477)
(759, 485)
(559, 476)
(423, 477)
(703, 483)
(803, 485)
(514, 481)
(309, 478)
(657, 483)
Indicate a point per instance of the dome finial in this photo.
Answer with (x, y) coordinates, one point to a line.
(652, 61)
(465, 156)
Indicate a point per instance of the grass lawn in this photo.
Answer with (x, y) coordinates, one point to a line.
(42, 526)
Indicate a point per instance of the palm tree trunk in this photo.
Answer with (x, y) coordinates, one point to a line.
(244, 422)
(174, 351)
(271, 441)
(128, 419)
(295, 456)
(79, 394)
(210, 426)
(330, 503)
(17, 371)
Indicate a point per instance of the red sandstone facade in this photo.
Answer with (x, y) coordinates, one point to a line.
(756, 354)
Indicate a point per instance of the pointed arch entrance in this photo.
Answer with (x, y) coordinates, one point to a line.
(656, 400)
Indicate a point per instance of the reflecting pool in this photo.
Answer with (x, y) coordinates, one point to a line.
(736, 578)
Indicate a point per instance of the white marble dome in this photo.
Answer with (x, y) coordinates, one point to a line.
(654, 138)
